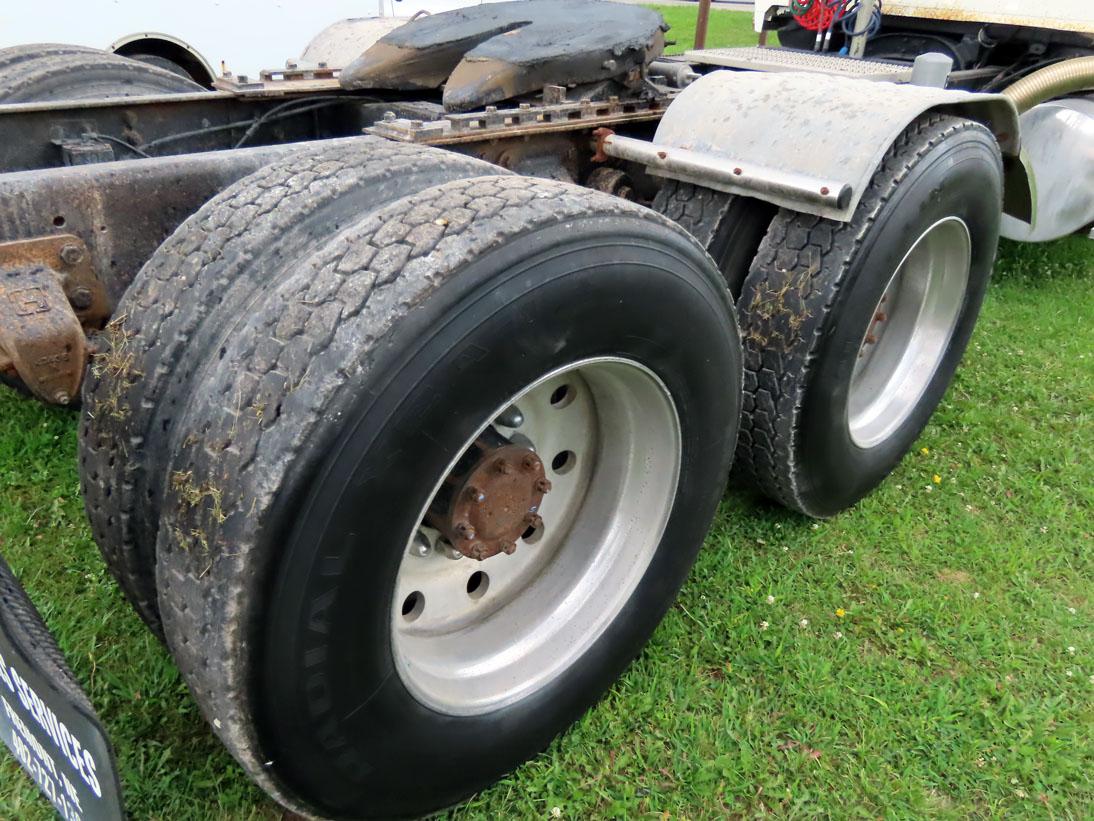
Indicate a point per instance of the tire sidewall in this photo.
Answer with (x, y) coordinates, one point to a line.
(342, 730)
(959, 178)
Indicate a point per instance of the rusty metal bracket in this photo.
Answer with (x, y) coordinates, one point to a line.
(524, 120)
(41, 339)
(49, 297)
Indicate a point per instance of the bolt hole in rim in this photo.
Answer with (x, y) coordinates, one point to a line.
(481, 642)
(909, 332)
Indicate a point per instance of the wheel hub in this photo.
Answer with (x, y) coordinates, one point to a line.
(494, 502)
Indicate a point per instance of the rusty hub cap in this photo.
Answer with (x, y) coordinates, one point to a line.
(495, 502)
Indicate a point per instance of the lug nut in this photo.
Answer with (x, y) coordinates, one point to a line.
(509, 548)
(529, 462)
(71, 254)
(452, 553)
(511, 417)
(421, 546)
(503, 467)
(475, 495)
(465, 530)
(543, 485)
(533, 520)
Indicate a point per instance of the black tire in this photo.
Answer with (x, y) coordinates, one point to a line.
(811, 295)
(46, 72)
(374, 359)
(208, 273)
(730, 227)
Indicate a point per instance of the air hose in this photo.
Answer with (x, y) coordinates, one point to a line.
(1067, 77)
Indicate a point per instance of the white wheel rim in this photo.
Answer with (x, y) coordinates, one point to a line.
(909, 332)
(465, 649)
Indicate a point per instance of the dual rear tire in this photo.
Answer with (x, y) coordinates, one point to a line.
(48, 72)
(307, 364)
(853, 331)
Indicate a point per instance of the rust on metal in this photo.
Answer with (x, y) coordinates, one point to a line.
(600, 135)
(490, 506)
(68, 257)
(49, 298)
(522, 121)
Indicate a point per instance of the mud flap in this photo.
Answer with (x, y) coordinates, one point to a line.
(46, 720)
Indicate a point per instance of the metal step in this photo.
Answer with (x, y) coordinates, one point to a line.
(786, 59)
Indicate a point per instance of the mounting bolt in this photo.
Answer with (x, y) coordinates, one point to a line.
(465, 530)
(529, 462)
(533, 520)
(71, 254)
(503, 467)
(81, 298)
(509, 548)
(543, 485)
(474, 494)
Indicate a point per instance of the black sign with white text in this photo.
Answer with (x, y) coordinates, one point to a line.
(45, 719)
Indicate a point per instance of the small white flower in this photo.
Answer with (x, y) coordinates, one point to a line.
(1020, 793)
(1092, 679)
(976, 595)
(770, 599)
(980, 762)
(803, 623)
(900, 487)
(556, 812)
(764, 625)
(929, 489)
(1043, 529)
(837, 635)
(1013, 780)
(1068, 673)
(816, 526)
(778, 526)
(1071, 610)
(785, 549)
(1070, 650)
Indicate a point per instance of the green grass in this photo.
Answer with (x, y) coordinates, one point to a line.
(725, 28)
(948, 694)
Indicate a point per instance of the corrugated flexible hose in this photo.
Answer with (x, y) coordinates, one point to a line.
(1054, 81)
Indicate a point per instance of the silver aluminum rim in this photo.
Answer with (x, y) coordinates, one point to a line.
(608, 433)
(909, 332)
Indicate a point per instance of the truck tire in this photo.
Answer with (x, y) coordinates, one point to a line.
(729, 227)
(177, 309)
(852, 331)
(345, 657)
(47, 72)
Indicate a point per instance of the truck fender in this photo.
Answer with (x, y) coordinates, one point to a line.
(814, 127)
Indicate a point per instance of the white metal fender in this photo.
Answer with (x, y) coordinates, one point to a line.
(818, 127)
